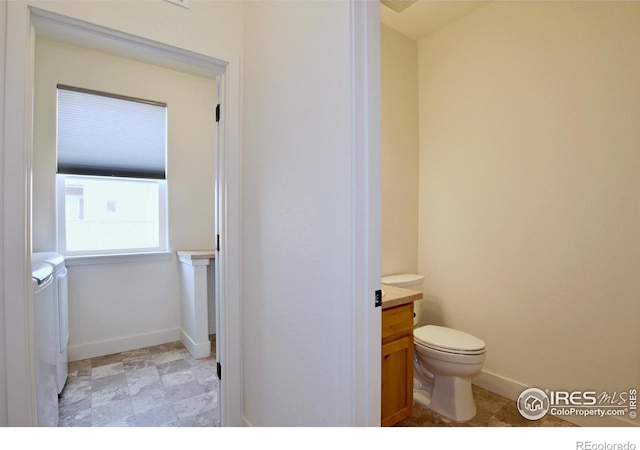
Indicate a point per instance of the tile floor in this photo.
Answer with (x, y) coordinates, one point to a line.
(164, 386)
(160, 386)
(493, 411)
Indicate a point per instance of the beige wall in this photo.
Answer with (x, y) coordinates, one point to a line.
(529, 189)
(399, 152)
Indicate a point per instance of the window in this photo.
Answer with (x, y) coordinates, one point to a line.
(111, 174)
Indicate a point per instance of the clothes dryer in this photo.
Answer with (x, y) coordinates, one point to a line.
(44, 345)
(57, 263)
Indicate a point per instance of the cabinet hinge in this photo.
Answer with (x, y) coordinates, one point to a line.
(219, 370)
(378, 301)
(217, 242)
(218, 112)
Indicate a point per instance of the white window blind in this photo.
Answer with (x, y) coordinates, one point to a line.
(104, 134)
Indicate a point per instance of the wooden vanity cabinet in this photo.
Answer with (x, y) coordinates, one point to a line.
(397, 364)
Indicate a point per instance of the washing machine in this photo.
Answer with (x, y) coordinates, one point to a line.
(44, 332)
(61, 314)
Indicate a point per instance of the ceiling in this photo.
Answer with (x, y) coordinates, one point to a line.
(423, 17)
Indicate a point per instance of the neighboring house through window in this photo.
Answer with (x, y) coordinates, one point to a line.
(111, 173)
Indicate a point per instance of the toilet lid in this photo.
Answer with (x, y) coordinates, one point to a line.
(447, 339)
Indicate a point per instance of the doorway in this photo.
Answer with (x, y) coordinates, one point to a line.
(44, 24)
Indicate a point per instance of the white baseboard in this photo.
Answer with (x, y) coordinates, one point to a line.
(500, 385)
(110, 346)
(511, 389)
(197, 349)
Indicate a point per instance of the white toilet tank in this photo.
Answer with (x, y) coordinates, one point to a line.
(408, 281)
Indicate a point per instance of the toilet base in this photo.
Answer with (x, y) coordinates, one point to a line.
(450, 397)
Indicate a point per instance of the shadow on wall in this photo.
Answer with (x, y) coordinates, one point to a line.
(432, 311)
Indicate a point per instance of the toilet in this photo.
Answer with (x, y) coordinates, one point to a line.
(445, 361)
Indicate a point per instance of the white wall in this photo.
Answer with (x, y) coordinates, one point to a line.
(214, 29)
(306, 329)
(298, 295)
(399, 152)
(529, 213)
(114, 307)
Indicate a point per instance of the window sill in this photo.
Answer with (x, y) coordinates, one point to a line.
(86, 260)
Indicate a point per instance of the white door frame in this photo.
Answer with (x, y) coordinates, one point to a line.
(24, 23)
(367, 240)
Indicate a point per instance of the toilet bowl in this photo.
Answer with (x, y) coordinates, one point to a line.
(445, 361)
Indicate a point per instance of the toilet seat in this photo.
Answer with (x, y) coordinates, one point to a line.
(448, 340)
(406, 280)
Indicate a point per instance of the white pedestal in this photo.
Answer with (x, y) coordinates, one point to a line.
(194, 327)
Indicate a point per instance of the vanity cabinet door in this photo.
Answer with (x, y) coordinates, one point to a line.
(397, 380)
(397, 364)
